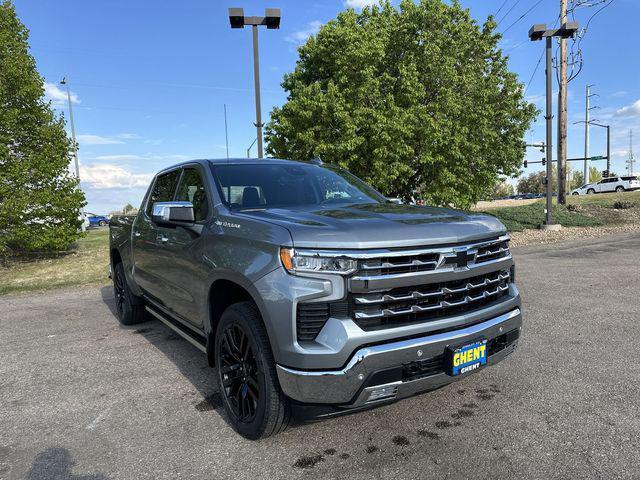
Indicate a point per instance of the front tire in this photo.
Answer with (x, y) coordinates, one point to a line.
(129, 308)
(102, 223)
(246, 374)
(619, 189)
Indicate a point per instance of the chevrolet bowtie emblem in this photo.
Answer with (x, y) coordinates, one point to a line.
(461, 258)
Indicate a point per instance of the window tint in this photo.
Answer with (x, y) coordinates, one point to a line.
(286, 185)
(191, 189)
(629, 178)
(163, 189)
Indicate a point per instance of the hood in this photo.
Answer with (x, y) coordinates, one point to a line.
(379, 225)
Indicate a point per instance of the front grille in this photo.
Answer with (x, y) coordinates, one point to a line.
(400, 264)
(393, 262)
(493, 251)
(406, 305)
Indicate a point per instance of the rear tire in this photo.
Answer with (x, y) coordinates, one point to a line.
(591, 191)
(102, 223)
(575, 193)
(129, 307)
(619, 189)
(246, 374)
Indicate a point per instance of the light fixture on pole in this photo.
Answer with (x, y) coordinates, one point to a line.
(65, 82)
(538, 32)
(272, 21)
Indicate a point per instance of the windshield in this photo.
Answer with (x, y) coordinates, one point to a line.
(287, 185)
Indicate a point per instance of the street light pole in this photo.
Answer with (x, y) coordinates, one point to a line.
(256, 80)
(549, 141)
(538, 32)
(65, 82)
(272, 21)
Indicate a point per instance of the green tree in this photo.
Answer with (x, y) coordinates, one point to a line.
(417, 96)
(534, 182)
(502, 189)
(39, 199)
(577, 179)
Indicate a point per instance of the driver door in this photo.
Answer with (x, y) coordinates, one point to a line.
(181, 249)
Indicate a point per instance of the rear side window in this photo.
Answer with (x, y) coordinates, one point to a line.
(191, 189)
(163, 189)
(628, 179)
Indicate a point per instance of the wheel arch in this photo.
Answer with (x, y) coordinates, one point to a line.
(223, 292)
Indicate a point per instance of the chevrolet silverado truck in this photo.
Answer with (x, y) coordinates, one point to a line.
(310, 293)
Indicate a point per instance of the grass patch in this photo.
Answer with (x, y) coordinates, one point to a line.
(581, 211)
(87, 264)
(532, 215)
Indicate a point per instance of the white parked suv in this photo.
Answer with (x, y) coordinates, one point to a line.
(611, 184)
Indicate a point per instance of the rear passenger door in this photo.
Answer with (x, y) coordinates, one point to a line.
(183, 273)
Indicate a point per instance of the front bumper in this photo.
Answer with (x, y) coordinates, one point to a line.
(382, 369)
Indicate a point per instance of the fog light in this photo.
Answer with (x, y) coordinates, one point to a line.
(383, 392)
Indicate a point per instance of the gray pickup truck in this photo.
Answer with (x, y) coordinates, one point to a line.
(311, 294)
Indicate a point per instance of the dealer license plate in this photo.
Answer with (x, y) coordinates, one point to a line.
(467, 358)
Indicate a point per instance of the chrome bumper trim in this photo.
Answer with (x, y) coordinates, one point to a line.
(341, 386)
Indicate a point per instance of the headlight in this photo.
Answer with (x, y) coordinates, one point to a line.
(308, 261)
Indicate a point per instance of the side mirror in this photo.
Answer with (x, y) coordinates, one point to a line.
(173, 214)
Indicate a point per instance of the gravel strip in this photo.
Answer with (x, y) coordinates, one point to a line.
(531, 237)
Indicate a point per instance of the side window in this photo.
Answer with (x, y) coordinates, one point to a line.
(191, 189)
(163, 189)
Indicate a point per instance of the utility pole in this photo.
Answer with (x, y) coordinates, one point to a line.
(562, 110)
(631, 160)
(65, 82)
(226, 135)
(585, 176)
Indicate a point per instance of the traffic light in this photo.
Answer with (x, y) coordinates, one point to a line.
(544, 161)
(525, 164)
(605, 174)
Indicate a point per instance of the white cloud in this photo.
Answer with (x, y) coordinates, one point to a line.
(90, 139)
(57, 96)
(118, 158)
(632, 110)
(97, 140)
(170, 157)
(301, 35)
(360, 3)
(112, 176)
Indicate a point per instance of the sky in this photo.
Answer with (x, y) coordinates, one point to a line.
(150, 79)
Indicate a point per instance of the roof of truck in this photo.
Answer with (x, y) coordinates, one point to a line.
(238, 161)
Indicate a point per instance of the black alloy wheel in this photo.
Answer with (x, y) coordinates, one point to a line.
(129, 307)
(254, 403)
(239, 373)
(119, 291)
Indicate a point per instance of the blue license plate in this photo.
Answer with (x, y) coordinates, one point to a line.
(468, 357)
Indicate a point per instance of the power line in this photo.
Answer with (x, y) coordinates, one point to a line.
(534, 73)
(522, 16)
(509, 11)
(503, 4)
(539, 60)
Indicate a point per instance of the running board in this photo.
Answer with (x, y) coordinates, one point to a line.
(190, 337)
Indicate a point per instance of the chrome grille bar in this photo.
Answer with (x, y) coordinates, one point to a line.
(388, 312)
(374, 299)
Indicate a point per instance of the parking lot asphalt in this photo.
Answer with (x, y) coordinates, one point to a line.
(83, 398)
